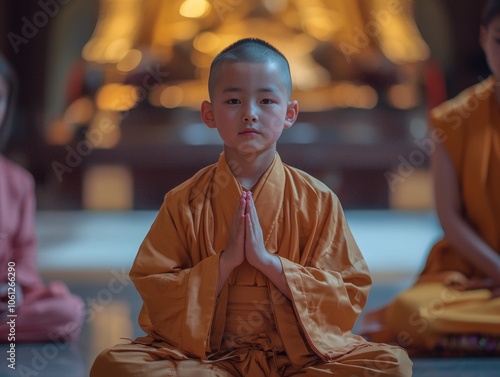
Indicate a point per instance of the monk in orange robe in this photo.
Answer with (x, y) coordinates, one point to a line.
(454, 306)
(250, 268)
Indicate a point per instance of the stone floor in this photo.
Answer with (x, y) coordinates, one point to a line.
(93, 252)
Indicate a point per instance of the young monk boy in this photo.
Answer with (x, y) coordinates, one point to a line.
(250, 268)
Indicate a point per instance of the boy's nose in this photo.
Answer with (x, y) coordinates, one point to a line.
(250, 116)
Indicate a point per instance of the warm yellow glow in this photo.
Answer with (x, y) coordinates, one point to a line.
(104, 131)
(306, 43)
(367, 98)
(305, 77)
(396, 31)
(275, 6)
(171, 97)
(185, 94)
(201, 60)
(347, 94)
(194, 93)
(194, 8)
(116, 50)
(90, 51)
(320, 39)
(108, 187)
(290, 19)
(79, 112)
(403, 96)
(344, 94)
(130, 61)
(206, 42)
(338, 95)
(117, 97)
(313, 100)
(318, 23)
(184, 30)
(116, 31)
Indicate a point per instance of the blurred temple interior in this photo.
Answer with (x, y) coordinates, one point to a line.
(110, 92)
(108, 121)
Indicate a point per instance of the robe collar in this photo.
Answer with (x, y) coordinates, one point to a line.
(268, 195)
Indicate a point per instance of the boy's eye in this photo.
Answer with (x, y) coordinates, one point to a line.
(267, 101)
(233, 101)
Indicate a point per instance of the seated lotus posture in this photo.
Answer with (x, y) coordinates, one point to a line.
(250, 268)
(44, 313)
(454, 306)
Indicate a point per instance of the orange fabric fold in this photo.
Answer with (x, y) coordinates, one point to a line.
(437, 305)
(469, 134)
(176, 268)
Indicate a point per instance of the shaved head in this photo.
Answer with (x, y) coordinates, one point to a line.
(250, 50)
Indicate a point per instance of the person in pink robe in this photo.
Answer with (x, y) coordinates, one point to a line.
(30, 311)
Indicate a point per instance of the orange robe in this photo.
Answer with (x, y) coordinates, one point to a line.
(469, 127)
(251, 328)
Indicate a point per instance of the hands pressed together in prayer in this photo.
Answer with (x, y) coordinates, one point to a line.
(246, 241)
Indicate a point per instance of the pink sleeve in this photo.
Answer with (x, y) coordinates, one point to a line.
(24, 245)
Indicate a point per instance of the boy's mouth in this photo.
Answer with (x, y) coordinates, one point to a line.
(249, 131)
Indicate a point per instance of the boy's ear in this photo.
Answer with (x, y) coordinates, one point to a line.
(207, 114)
(291, 113)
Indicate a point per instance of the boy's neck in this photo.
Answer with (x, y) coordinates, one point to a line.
(248, 167)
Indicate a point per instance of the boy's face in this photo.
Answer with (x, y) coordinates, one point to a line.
(490, 41)
(250, 107)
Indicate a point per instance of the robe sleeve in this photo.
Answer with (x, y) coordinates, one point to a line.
(453, 123)
(24, 247)
(179, 295)
(330, 284)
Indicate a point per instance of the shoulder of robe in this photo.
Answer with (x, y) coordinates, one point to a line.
(15, 177)
(191, 187)
(306, 183)
(455, 112)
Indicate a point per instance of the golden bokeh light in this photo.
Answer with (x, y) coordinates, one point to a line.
(108, 187)
(171, 97)
(116, 31)
(80, 111)
(184, 30)
(104, 132)
(130, 61)
(117, 97)
(403, 96)
(194, 8)
(207, 42)
(334, 49)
